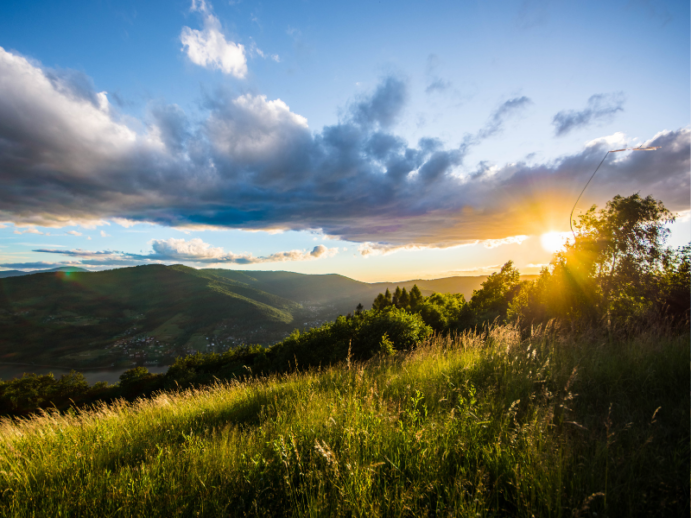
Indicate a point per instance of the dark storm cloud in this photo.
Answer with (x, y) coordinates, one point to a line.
(172, 124)
(74, 84)
(254, 164)
(384, 106)
(600, 108)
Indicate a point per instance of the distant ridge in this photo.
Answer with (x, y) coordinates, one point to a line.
(19, 273)
(151, 314)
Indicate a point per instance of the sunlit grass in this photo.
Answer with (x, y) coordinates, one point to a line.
(490, 425)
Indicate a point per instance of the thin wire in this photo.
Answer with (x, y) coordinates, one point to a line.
(579, 196)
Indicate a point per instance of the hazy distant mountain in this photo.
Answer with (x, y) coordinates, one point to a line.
(151, 314)
(19, 273)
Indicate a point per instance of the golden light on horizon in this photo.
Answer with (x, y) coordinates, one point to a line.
(553, 241)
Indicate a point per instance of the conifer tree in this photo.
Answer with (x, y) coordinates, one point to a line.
(416, 298)
(396, 297)
(403, 299)
(380, 302)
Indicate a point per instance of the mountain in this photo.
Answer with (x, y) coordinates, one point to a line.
(143, 314)
(154, 313)
(19, 273)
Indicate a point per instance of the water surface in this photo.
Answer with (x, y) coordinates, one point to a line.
(92, 376)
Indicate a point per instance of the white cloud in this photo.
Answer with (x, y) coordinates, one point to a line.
(254, 50)
(370, 248)
(209, 48)
(252, 128)
(196, 250)
(103, 234)
(494, 243)
(192, 251)
(481, 269)
(74, 233)
(124, 222)
(31, 230)
(683, 215)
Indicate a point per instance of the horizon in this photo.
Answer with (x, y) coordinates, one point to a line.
(86, 270)
(310, 139)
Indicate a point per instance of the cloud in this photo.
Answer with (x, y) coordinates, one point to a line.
(103, 234)
(251, 163)
(505, 111)
(384, 106)
(124, 222)
(74, 233)
(599, 109)
(254, 50)
(30, 230)
(192, 251)
(209, 48)
(513, 240)
(480, 269)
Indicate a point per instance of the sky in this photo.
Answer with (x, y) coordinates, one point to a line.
(383, 140)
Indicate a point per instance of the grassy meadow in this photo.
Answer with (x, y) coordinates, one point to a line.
(470, 425)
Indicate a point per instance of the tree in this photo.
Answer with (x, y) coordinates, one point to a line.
(492, 300)
(380, 302)
(396, 299)
(403, 299)
(617, 252)
(416, 297)
(617, 268)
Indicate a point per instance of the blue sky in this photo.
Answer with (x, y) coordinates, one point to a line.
(383, 141)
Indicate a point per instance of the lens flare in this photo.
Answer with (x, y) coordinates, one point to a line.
(553, 241)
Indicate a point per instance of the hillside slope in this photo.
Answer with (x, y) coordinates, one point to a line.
(19, 273)
(469, 426)
(148, 315)
(142, 314)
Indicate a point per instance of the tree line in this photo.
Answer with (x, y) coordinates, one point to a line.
(616, 273)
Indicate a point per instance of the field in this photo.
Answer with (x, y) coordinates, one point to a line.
(473, 425)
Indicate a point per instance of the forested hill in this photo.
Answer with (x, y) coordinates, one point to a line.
(151, 314)
(20, 273)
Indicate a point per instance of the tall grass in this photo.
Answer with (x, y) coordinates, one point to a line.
(472, 425)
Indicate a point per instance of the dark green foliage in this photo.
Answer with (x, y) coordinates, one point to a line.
(492, 301)
(360, 336)
(442, 312)
(31, 392)
(415, 298)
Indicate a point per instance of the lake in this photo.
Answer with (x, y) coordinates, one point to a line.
(92, 376)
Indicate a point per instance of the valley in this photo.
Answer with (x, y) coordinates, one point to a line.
(149, 315)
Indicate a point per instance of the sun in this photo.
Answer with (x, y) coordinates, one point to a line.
(553, 241)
